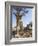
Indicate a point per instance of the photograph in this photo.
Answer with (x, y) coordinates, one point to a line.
(21, 22)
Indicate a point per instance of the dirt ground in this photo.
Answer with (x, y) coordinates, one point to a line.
(23, 34)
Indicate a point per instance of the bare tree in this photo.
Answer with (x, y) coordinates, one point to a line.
(19, 12)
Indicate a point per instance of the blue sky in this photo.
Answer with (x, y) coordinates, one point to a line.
(26, 19)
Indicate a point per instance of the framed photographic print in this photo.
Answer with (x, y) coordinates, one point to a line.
(20, 22)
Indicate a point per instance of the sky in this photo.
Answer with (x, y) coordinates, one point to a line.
(25, 19)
